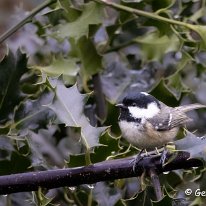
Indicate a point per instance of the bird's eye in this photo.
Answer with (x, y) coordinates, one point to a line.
(134, 104)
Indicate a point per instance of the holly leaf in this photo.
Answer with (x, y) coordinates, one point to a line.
(118, 80)
(196, 146)
(68, 68)
(6, 148)
(166, 200)
(175, 86)
(174, 83)
(108, 145)
(201, 31)
(106, 195)
(142, 198)
(91, 15)
(33, 114)
(61, 66)
(91, 61)
(11, 70)
(71, 13)
(153, 46)
(68, 104)
(163, 93)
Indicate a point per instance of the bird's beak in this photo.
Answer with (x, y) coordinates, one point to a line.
(120, 106)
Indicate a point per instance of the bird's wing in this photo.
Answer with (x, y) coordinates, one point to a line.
(187, 108)
(169, 118)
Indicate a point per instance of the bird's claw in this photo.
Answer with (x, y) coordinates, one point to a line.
(137, 159)
(164, 157)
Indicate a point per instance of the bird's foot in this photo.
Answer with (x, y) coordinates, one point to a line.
(163, 157)
(167, 154)
(137, 159)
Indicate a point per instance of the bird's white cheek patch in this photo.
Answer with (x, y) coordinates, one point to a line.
(150, 112)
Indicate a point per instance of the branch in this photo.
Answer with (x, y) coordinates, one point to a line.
(103, 171)
(156, 184)
(27, 19)
(142, 13)
(101, 109)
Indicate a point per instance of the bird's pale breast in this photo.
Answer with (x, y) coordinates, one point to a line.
(144, 136)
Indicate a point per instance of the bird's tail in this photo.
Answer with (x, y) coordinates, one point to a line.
(187, 108)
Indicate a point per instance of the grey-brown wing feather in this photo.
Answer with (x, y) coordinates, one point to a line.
(169, 121)
(170, 117)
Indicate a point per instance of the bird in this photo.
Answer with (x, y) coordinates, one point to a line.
(147, 123)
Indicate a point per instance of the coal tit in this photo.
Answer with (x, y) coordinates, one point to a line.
(148, 123)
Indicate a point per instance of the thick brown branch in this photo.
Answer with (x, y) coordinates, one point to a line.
(103, 171)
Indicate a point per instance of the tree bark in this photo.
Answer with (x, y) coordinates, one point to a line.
(104, 171)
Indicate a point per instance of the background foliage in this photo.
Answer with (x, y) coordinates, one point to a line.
(76, 60)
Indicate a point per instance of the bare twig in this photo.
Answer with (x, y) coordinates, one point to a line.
(142, 13)
(27, 19)
(103, 171)
(101, 109)
(156, 184)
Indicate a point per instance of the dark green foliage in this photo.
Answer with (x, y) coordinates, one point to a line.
(43, 123)
(11, 70)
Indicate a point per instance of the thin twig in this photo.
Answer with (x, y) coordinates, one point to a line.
(27, 19)
(101, 109)
(142, 13)
(156, 183)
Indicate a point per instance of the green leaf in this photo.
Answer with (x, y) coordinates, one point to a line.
(68, 104)
(143, 198)
(71, 12)
(91, 15)
(161, 92)
(39, 198)
(153, 46)
(173, 83)
(54, 15)
(108, 145)
(6, 148)
(11, 70)
(33, 114)
(91, 60)
(196, 146)
(116, 79)
(176, 86)
(16, 164)
(76, 160)
(21, 198)
(201, 30)
(106, 195)
(61, 66)
(44, 148)
(5, 128)
(166, 200)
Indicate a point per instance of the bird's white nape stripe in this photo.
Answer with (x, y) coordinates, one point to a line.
(145, 93)
(151, 111)
(170, 119)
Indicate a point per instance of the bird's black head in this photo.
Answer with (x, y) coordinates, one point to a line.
(139, 99)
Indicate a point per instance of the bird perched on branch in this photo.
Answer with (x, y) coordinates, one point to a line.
(148, 123)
